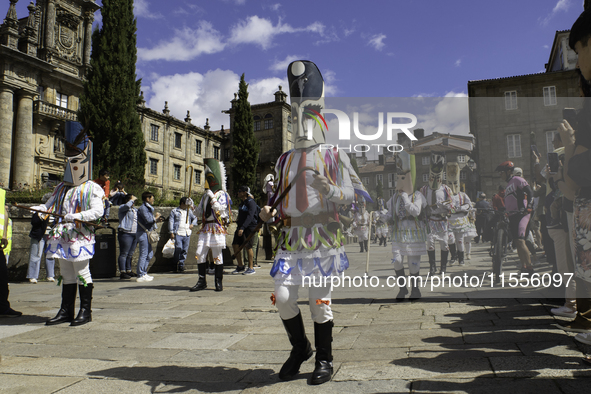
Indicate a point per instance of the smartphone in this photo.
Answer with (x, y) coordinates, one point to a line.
(535, 150)
(553, 163)
(570, 115)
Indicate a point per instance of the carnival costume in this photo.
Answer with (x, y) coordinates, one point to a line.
(438, 198)
(311, 241)
(214, 209)
(72, 242)
(459, 221)
(361, 225)
(381, 225)
(409, 230)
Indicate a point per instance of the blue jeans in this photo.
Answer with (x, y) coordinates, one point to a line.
(181, 247)
(127, 244)
(146, 253)
(35, 255)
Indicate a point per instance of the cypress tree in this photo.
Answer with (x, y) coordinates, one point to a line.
(108, 106)
(379, 190)
(245, 146)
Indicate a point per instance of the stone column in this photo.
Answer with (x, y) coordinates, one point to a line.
(88, 19)
(6, 116)
(50, 24)
(23, 146)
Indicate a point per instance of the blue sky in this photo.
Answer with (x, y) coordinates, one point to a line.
(192, 54)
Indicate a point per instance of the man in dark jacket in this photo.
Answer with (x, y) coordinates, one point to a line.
(245, 225)
(482, 208)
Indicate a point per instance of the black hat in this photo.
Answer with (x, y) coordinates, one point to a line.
(244, 189)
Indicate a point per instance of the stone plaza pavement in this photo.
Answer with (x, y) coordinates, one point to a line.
(158, 337)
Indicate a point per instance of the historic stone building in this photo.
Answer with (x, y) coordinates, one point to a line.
(272, 128)
(175, 150)
(43, 61)
(43, 58)
(509, 115)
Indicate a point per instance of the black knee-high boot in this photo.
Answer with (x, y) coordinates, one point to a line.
(202, 282)
(365, 244)
(460, 257)
(66, 312)
(403, 290)
(323, 340)
(219, 276)
(432, 264)
(85, 313)
(453, 254)
(385, 242)
(301, 349)
(444, 254)
(361, 247)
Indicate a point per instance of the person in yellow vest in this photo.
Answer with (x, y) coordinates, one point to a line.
(5, 309)
(8, 248)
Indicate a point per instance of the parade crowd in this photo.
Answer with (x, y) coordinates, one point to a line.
(315, 200)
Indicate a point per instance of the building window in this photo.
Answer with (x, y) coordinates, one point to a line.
(268, 121)
(226, 154)
(40, 92)
(216, 152)
(513, 146)
(549, 95)
(461, 158)
(391, 180)
(380, 178)
(365, 180)
(426, 177)
(176, 172)
(153, 167)
(550, 140)
(154, 133)
(61, 100)
(197, 177)
(197, 147)
(511, 100)
(257, 123)
(462, 176)
(178, 138)
(426, 160)
(289, 123)
(391, 192)
(59, 145)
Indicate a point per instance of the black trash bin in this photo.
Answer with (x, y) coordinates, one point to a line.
(104, 262)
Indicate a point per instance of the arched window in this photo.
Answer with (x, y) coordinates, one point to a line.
(257, 123)
(289, 123)
(268, 121)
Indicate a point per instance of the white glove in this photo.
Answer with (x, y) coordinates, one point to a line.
(209, 193)
(70, 217)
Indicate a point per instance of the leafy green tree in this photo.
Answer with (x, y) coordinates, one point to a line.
(108, 106)
(245, 146)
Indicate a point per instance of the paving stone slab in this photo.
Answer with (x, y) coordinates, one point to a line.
(198, 341)
(539, 367)
(463, 351)
(515, 335)
(25, 384)
(280, 342)
(409, 368)
(377, 339)
(106, 339)
(486, 385)
(57, 366)
(564, 347)
(228, 357)
(9, 331)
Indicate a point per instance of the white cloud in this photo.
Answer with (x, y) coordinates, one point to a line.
(275, 7)
(450, 115)
(260, 31)
(458, 63)
(187, 44)
(140, 9)
(561, 6)
(206, 95)
(348, 32)
(281, 65)
(377, 42)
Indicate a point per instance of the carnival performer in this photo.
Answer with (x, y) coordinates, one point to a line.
(459, 221)
(214, 210)
(438, 198)
(361, 224)
(69, 241)
(409, 229)
(311, 242)
(380, 222)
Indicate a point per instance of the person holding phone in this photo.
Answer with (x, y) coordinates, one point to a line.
(127, 236)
